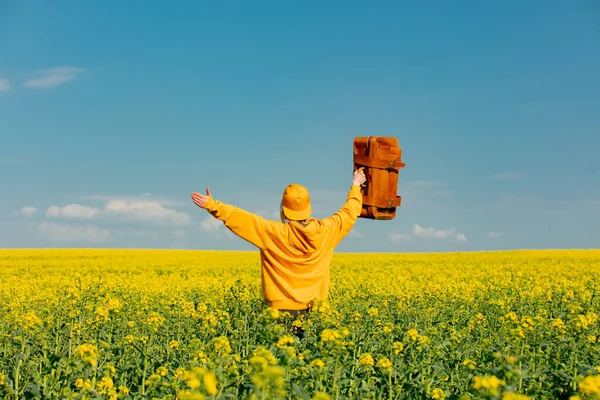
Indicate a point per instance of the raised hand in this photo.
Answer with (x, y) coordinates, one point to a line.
(359, 177)
(200, 200)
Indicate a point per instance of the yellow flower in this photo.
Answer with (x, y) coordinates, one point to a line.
(84, 385)
(210, 383)
(272, 313)
(321, 396)
(221, 345)
(88, 353)
(129, 339)
(514, 396)
(197, 376)
(397, 347)
(590, 385)
(155, 319)
(584, 321)
(384, 363)
(424, 340)
(366, 359)
(113, 305)
(188, 309)
(470, 364)
(329, 335)
(105, 385)
(413, 334)
(174, 344)
(102, 313)
(317, 363)
(592, 338)
(192, 381)
(487, 382)
(262, 358)
(285, 340)
(31, 320)
(438, 394)
(200, 355)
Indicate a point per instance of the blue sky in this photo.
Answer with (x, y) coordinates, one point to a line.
(112, 113)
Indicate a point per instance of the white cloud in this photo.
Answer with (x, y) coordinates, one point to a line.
(432, 233)
(76, 211)
(4, 85)
(27, 211)
(355, 233)
(53, 77)
(510, 176)
(216, 228)
(400, 237)
(134, 198)
(145, 211)
(270, 215)
(495, 234)
(123, 210)
(63, 233)
(211, 224)
(461, 237)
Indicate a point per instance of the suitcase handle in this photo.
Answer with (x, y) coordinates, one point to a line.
(368, 180)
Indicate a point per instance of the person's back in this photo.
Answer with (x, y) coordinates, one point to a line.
(296, 252)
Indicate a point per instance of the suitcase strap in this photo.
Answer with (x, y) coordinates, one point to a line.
(393, 164)
(389, 203)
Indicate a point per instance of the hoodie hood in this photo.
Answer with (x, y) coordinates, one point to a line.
(306, 239)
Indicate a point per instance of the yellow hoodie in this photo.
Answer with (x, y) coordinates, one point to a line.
(295, 259)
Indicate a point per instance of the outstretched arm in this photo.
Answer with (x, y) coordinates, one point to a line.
(344, 219)
(250, 227)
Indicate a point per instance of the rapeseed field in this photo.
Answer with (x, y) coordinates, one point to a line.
(133, 324)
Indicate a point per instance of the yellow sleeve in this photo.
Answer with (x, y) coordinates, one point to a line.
(344, 219)
(250, 227)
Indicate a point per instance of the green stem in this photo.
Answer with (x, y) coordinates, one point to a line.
(391, 396)
(144, 375)
(17, 378)
(334, 387)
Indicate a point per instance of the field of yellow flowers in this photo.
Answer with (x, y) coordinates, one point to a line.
(132, 324)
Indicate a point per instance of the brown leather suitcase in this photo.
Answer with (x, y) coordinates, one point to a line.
(381, 158)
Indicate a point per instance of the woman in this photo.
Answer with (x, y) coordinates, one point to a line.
(296, 252)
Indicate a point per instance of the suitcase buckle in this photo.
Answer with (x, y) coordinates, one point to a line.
(390, 203)
(391, 164)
